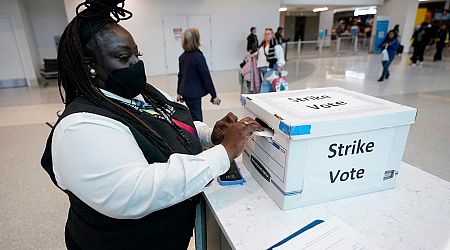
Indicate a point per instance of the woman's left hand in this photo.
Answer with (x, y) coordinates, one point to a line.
(216, 101)
(221, 126)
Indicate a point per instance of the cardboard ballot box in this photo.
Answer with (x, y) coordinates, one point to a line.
(327, 144)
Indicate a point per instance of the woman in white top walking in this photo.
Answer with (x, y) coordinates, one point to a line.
(270, 58)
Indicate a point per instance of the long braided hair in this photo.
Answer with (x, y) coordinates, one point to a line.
(73, 66)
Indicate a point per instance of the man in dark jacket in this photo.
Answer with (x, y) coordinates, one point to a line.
(252, 41)
(441, 40)
(421, 39)
(279, 38)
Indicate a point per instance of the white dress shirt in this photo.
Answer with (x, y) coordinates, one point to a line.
(98, 160)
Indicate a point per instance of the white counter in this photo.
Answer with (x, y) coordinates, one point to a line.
(414, 215)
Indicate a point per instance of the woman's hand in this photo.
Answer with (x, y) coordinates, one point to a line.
(179, 98)
(221, 126)
(237, 134)
(216, 101)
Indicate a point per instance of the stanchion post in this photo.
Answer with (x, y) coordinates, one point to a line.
(297, 64)
(338, 45)
(320, 46)
(299, 47)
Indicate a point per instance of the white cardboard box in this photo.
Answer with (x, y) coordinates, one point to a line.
(328, 144)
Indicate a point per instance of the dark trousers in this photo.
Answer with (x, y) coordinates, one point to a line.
(195, 107)
(438, 54)
(70, 242)
(419, 50)
(386, 72)
(179, 242)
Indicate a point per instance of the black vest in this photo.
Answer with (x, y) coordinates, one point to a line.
(270, 55)
(168, 228)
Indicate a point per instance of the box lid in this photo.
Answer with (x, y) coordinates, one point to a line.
(326, 111)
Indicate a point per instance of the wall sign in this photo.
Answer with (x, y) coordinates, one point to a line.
(178, 33)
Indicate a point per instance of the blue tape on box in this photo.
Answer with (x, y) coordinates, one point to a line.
(294, 130)
(243, 101)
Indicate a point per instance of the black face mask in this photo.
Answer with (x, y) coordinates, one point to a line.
(127, 82)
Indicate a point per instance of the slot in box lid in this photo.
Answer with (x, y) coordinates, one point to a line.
(309, 113)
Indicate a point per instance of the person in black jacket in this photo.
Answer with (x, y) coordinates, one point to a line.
(421, 39)
(252, 41)
(194, 79)
(441, 40)
(279, 38)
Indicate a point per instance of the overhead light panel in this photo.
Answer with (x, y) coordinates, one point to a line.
(365, 11)
(320, 9)
(281, 9)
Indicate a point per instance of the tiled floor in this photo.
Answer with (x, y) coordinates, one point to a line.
(33, 211)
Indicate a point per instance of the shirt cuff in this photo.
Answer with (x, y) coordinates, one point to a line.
(218, 160)
(208, 140)
(204, 132)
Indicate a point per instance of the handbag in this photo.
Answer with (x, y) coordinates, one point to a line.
(400, 49)
(279, 83)
(385, 55)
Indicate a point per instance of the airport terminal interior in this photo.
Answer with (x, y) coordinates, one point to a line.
(324, 44)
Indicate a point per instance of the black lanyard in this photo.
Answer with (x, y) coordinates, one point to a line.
(165, 113)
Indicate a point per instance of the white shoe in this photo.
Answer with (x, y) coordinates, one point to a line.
(413, 65)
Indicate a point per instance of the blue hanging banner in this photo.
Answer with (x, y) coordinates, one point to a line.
(380, 33)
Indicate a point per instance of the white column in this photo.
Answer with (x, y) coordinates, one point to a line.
(326, 24)
(403, 13)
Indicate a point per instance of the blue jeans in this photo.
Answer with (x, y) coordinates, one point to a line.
(386, 65)
(266, 86)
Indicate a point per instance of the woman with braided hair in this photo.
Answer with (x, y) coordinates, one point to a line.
(130, 159)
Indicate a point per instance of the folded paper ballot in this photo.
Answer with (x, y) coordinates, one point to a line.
(266, 133)
(329, 234)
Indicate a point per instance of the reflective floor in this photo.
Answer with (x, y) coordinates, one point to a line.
(33, 211)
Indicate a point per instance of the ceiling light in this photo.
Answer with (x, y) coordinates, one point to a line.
(320, 9)
(282, 9)
(365, 11)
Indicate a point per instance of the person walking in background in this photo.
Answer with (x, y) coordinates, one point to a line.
(391, 45)
(442, 39)
(279, 39)
(252, 41)
(396, 29)
(421, 38)
(194, 79)
(270, 58)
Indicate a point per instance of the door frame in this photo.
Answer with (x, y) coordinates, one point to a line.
(186, 16)
(21, 55)
(210, 35)
(164, 36)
